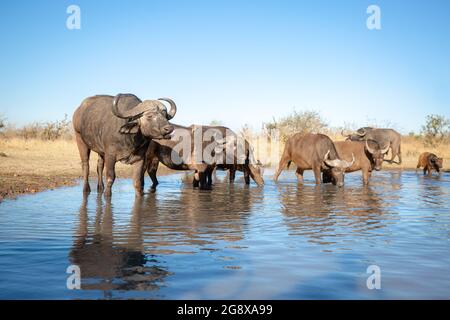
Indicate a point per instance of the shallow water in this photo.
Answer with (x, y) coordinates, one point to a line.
(282, 241)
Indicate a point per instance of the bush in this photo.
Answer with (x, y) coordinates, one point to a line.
(55, 130)
(298, 122)
(51, 130)
(435, 130)
(2, 123)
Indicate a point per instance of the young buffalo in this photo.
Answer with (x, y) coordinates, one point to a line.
(368, 156)
(429, 162)
(316, 152)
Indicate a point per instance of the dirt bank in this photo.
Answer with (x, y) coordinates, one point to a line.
(13, 185)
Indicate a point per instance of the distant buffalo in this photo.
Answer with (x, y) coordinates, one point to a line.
(382, 136)
(368, 155)
(429, 162)
(316, 152)
(119, 129)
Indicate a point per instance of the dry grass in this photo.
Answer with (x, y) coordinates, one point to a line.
(40, 157)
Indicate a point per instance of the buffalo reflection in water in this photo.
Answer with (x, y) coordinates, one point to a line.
(107, 263)
(195, 218)
(325, 213)
(113, 257)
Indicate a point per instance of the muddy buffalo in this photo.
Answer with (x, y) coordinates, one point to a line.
(221, 141)
(429, 162)
(382, 136)
(368, 155)
(316, 152)
(119, 129)
(245, 162)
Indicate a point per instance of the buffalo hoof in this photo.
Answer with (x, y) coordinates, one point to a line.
(107, 193)
(153, 189)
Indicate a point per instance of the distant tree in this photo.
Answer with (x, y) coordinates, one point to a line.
(2, 122)
(298, 122)
(215, 122)
(435, 129)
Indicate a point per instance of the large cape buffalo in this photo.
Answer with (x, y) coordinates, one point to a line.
(119, 129)
(382, 136)
(223, 144)
(429, 162)
(316, 152)
(369, 155)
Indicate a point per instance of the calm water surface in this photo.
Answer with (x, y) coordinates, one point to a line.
(282, 241)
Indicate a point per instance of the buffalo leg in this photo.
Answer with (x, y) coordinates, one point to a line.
(232, 174)
(283, 163)
(203, 180)
(209, 178)
(84, 155)
(299, 174)
(100, 166)
(151, 170)
(110, 164)
(138, 177)
(317, 172)
(247, 175)
(366, 175)
(196, 181)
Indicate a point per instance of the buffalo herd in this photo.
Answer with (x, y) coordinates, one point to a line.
(124, 128)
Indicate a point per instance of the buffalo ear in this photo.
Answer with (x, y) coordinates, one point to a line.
(130, 127)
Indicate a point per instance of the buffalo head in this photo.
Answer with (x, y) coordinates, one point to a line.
(149, 116)
(377, 153)
(338, 168)
(256, 172)
(435, 162)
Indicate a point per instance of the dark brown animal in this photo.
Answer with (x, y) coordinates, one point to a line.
(164, 151)
(119, 129)
(368, 155)
(316, 152)
(382, 136)
(429, 162)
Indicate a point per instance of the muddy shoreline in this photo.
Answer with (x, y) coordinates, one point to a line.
(14, 185)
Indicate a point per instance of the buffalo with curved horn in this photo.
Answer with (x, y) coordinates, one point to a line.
(119, 129)
(316, 152)
(383, 137)
(368, 155)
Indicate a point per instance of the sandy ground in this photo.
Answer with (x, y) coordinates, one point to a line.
(28, 166)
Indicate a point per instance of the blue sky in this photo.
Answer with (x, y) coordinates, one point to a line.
(234, 61)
